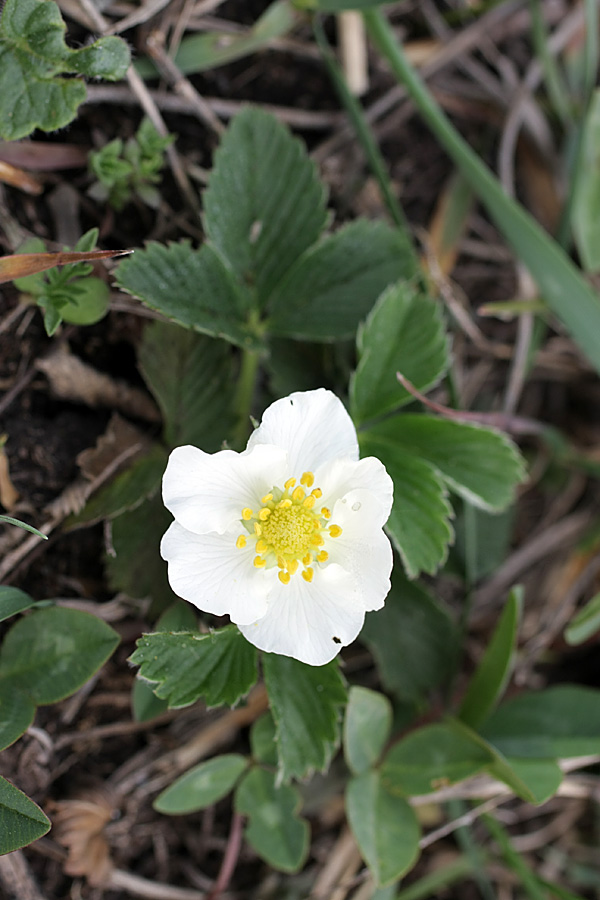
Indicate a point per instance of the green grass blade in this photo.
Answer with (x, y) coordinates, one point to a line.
(563, 287)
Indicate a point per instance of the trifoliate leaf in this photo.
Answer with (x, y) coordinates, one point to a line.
(33, 55)
(21, 820)
(367, 726)
(17, 711)
(404, 332)
(13, 601)
(324, 296)
(201, 786)
(305, 702)
(220, 667)
(274, 829)
(264, 205)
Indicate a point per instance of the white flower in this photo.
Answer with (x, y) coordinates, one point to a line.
(286, 537)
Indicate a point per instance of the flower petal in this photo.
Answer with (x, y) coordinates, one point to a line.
(313, 426)
(209, 571)
(341, 476)
(207, 492)
(310, 622)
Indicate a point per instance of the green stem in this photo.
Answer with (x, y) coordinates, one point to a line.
(244, 395)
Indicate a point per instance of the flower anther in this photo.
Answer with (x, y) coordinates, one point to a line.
(287, 536)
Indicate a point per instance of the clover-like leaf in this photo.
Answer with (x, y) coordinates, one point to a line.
(33, 56)
(202, 785)
(21, 820)
(367, 727)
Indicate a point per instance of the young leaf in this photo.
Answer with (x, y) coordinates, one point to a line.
(385, 827)
(264, 204)
(52, 652)
(585, 623)
(13, 601)
(33, 53)
(480, 464)
(403, 332)
(17, 711)
(560, 721)
(488, 683)
(220, 667)
(367, 727)
(275, 830)
(191, 287)
(413, 639)
(192, 379)
(431, 757)
(324, 296)
(21, 820)
(201, 786)
(419, 524)
(17, 522)
(305, 702)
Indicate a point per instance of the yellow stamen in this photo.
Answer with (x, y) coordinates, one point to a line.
(298, 494)
(257, 529)
(266, 498)
(289, 483)
(264, 513)
(326, 513)
(284, 504)
(307, 574)
(306, 560)
(316, 540)
(317, 493)
(261, 546)
(281, 562)
(335, 531)
(259, 562)
(241, 542)
(307, 479)
(292, 566)
(246, 513)
(309, 502)
(322, 556)
(284, 577)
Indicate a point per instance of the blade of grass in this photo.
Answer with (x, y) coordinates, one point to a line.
(432, 884)
(562, 285)
(555, 85)
(514, 860)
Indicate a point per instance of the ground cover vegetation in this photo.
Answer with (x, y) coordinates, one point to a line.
(299, 344)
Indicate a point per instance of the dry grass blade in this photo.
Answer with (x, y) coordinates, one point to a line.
(20, 264)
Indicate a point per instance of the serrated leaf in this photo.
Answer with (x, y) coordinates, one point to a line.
(419, 523)
(324, 296)
(431, 757)
(33, 54)
(191, 287)
(413, 639)
(17, 711)
(480, 464)
(201, 786)
(220, 667)
(54, 651)
(275, 830)
(489, 680)
(305, 703)
(385, 827)
(21, 820)
(560, 721)
(13, 601)
(264, 205)
(585, 211)
(404, 332)
(367, 726)
(585, 623)
(192, 378)
(125, 492)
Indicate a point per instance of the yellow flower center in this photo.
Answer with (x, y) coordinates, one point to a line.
(289, 528)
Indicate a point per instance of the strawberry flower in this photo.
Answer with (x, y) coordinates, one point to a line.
(286, 537)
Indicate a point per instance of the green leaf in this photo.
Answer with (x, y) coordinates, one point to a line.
(561, 721)
(262, 740)
(534, 780)
(491, 676)
(10, 521)
(585, 623)
(432, 757)
(201, 786)
(13, 601)
(54, 651)
(191, 287)
(324, 296)
(192, 378)
(385, 827)
(89, 303)
(367, 727)
(585, 212)
(413, 639)
(220, 667)
(305, 702)
(339, 5)
(482, 540)
(264, 204)
(17, 711)
(419, 523)
(33, 54)
(404, 332)
(275, 830)
(21, 820)
(480, 464)
(125, 492)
